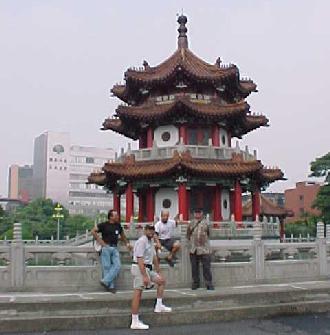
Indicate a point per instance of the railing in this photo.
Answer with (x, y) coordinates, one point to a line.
(59, 267)
(196, 151)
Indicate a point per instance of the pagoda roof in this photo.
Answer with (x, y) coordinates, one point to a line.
(267, 207)
(125, 120)
(181, 65)
(154, 110)
(131, 169)
(183, 61)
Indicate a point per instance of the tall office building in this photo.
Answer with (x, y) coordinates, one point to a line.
(20, 182)
(60, 172)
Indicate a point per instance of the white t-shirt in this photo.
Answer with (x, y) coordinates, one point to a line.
(165, 230)
(145, 248)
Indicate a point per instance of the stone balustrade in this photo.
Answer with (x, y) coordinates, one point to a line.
(196, 151)
(234, 262)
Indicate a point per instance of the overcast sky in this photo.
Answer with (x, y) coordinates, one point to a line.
(59, 59)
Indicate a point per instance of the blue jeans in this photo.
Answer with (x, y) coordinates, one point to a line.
(110, 261)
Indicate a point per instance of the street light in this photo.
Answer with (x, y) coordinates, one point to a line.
(58, 215)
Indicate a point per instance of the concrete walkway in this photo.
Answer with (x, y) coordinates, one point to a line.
(102, 310)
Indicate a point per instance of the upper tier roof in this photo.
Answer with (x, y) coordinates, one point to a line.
(183, 63)
(183, 60)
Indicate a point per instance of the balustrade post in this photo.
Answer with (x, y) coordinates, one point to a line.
(17, 260)
(185, 260)
(259, 259)
(322, 249)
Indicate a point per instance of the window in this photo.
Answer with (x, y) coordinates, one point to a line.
(301, 197)
(223, 140)
(166, 136)
(50, 159)
(225, 204)
(167, 203)
(89, 160)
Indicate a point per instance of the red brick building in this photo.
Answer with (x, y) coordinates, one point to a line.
(300, 199)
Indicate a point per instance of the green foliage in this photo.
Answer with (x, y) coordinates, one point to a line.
(37, 220)
(321, 168)
(303, 227)
(77, 224)
(322, 202)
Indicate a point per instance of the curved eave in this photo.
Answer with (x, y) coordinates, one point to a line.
(120, 91)
(151, 111)
(97, 178)
(271, 175)
(118, 126)
(251, 123)
(247, 87)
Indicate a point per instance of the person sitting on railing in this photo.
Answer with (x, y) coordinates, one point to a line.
(164, 230)
(110, 259)
(198, 233)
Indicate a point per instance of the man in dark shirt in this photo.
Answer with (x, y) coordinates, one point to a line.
(110, 259)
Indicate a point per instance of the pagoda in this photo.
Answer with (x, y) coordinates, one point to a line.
(185, 114)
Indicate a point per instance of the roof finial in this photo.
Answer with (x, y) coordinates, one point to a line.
(182, 39)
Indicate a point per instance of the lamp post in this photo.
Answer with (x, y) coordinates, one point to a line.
(58, 215)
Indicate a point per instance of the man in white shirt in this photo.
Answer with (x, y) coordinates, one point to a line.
(164, 229)
(145, 270)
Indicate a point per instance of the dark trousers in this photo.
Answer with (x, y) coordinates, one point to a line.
(206, 262)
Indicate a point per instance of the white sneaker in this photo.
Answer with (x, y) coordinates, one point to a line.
(162, 309)
(139, 325)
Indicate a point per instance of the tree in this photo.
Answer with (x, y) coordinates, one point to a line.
(37, 220)
(76, 224)
(321, 168)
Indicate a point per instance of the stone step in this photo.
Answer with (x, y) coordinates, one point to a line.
(95, 310)
(180, 316)
(95, 302)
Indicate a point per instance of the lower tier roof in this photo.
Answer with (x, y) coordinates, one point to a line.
(184, 164)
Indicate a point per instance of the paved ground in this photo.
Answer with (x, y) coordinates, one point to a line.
(293, 325)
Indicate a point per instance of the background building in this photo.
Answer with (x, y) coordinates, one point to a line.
(60, 172)
(300, 199)
(20, 182)
(87, 199)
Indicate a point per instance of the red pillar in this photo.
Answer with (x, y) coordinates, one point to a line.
(282, 230)
(183, 134)
(116, 202)
(215, 136)
(129, 202)
(217, 204)
(142, 141)
(150, 203)
(238, 201)
(150, 137)
(141, 206)
(183, 201)
(255, 204)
